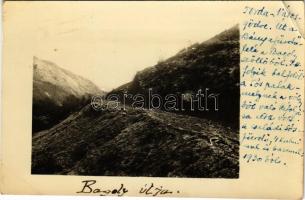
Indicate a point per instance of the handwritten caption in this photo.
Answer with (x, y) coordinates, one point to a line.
(91, 187)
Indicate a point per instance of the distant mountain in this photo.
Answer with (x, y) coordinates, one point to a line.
(134, 142)
(56, 93)
(213, 64)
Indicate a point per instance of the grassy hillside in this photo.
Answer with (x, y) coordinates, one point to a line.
(136, 143)
(213, 64)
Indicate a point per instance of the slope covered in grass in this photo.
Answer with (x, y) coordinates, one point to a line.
(136, 143)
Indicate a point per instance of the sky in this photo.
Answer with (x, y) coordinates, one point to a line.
(108, 42)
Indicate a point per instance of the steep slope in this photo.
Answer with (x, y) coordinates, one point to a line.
(213, 64)
(56, 93)
(133, 142)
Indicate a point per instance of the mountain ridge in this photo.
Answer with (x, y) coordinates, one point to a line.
(57, 92)
(212, 64)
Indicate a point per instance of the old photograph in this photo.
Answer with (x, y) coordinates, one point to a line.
(139, 92)
(159, 99)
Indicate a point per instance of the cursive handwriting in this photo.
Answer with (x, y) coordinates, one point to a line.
(272, 79)
(91, 187)
(152, 190)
